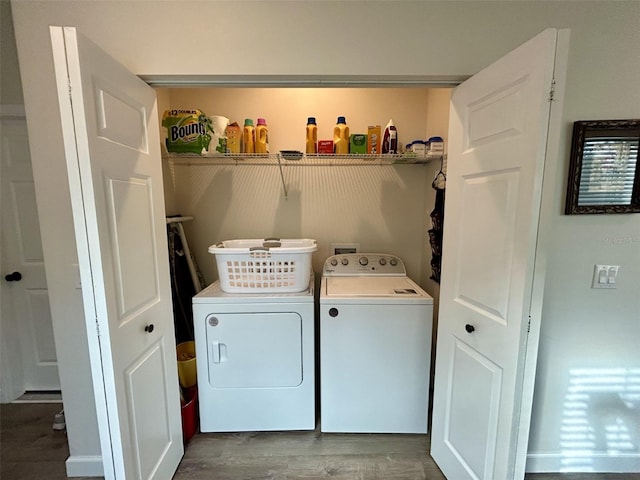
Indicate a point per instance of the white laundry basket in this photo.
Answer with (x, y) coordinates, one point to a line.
(264, 265)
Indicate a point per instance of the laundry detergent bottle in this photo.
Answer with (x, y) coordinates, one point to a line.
(341, 137)
(312, 136)
(248, 137)
(390, 138)
(262, 136)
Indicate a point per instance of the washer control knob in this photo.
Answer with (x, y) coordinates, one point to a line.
(364, 261)
(334, 262)
(345, 261)
(383, 261)
(393, 262)
(333, 312)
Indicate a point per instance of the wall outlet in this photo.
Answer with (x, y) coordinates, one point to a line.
(338, 248)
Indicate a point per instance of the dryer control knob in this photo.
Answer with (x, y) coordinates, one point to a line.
(364, 261)
(213, 321)
(383, 261)
(334, 261)
(393, 262)
(333, 312)
(345, 261)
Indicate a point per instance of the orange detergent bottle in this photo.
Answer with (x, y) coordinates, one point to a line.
(341, 137)
(312, 136)
(262, 137)
(248, 137)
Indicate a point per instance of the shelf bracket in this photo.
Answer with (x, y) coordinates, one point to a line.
(284, 184)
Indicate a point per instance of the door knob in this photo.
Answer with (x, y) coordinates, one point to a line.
(469, 328)
(13, 277)
(149, 328)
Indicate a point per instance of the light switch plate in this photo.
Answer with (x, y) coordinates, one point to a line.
(605, 276)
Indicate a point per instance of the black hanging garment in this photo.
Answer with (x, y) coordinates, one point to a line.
(437, 222)
(182, 284)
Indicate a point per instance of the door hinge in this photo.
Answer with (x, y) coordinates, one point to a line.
(552, 91)
(97, 328)
(529, 325)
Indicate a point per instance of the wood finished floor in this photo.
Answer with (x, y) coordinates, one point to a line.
(31, 450)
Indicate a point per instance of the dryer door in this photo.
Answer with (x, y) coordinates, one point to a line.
(254, 350)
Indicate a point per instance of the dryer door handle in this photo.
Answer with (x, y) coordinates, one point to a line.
(215, 352)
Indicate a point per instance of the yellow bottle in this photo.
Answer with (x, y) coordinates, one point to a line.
(312, 136)
(341, 137)
(248, 137)
(262, 136)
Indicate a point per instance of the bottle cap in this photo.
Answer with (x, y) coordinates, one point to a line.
(248, 121)
(342, 120)
(262, 121)
(311, 120)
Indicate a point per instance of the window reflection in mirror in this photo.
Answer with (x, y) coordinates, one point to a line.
(604, 173)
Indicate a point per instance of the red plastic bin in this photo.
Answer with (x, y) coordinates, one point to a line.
(189, 410)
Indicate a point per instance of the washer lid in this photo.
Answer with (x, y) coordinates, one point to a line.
(379, 286)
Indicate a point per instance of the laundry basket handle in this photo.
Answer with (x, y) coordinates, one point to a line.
(271, 242)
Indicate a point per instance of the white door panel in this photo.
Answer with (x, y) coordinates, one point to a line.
(151, 428)
(112, 147)
(498, 134)
(485, 262)
(466, 432)
(22, 252)
(130, 216)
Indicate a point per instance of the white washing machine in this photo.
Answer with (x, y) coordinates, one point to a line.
(255, 360)
(375, 346)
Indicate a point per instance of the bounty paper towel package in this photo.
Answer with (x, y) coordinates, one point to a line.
(188, 131)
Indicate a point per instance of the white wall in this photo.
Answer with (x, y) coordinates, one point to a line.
(583, 330)
(62, 275)
(11, 91)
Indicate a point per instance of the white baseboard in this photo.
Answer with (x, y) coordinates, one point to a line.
(84, 466)
(594, 463)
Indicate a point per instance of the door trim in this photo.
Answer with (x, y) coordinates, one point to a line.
(82, 245)
(547, 209)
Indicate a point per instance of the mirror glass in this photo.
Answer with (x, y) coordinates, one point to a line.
(604, 171)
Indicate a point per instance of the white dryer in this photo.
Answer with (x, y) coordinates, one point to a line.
(375, 346)
(255, 360)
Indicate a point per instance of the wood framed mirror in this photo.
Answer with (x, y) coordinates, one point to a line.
(604, 169)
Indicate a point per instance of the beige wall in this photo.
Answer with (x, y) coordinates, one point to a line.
(583, 330)
(382, 208)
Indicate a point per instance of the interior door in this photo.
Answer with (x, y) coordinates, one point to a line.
(112, 146)
(25, 294)
(499, 123)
